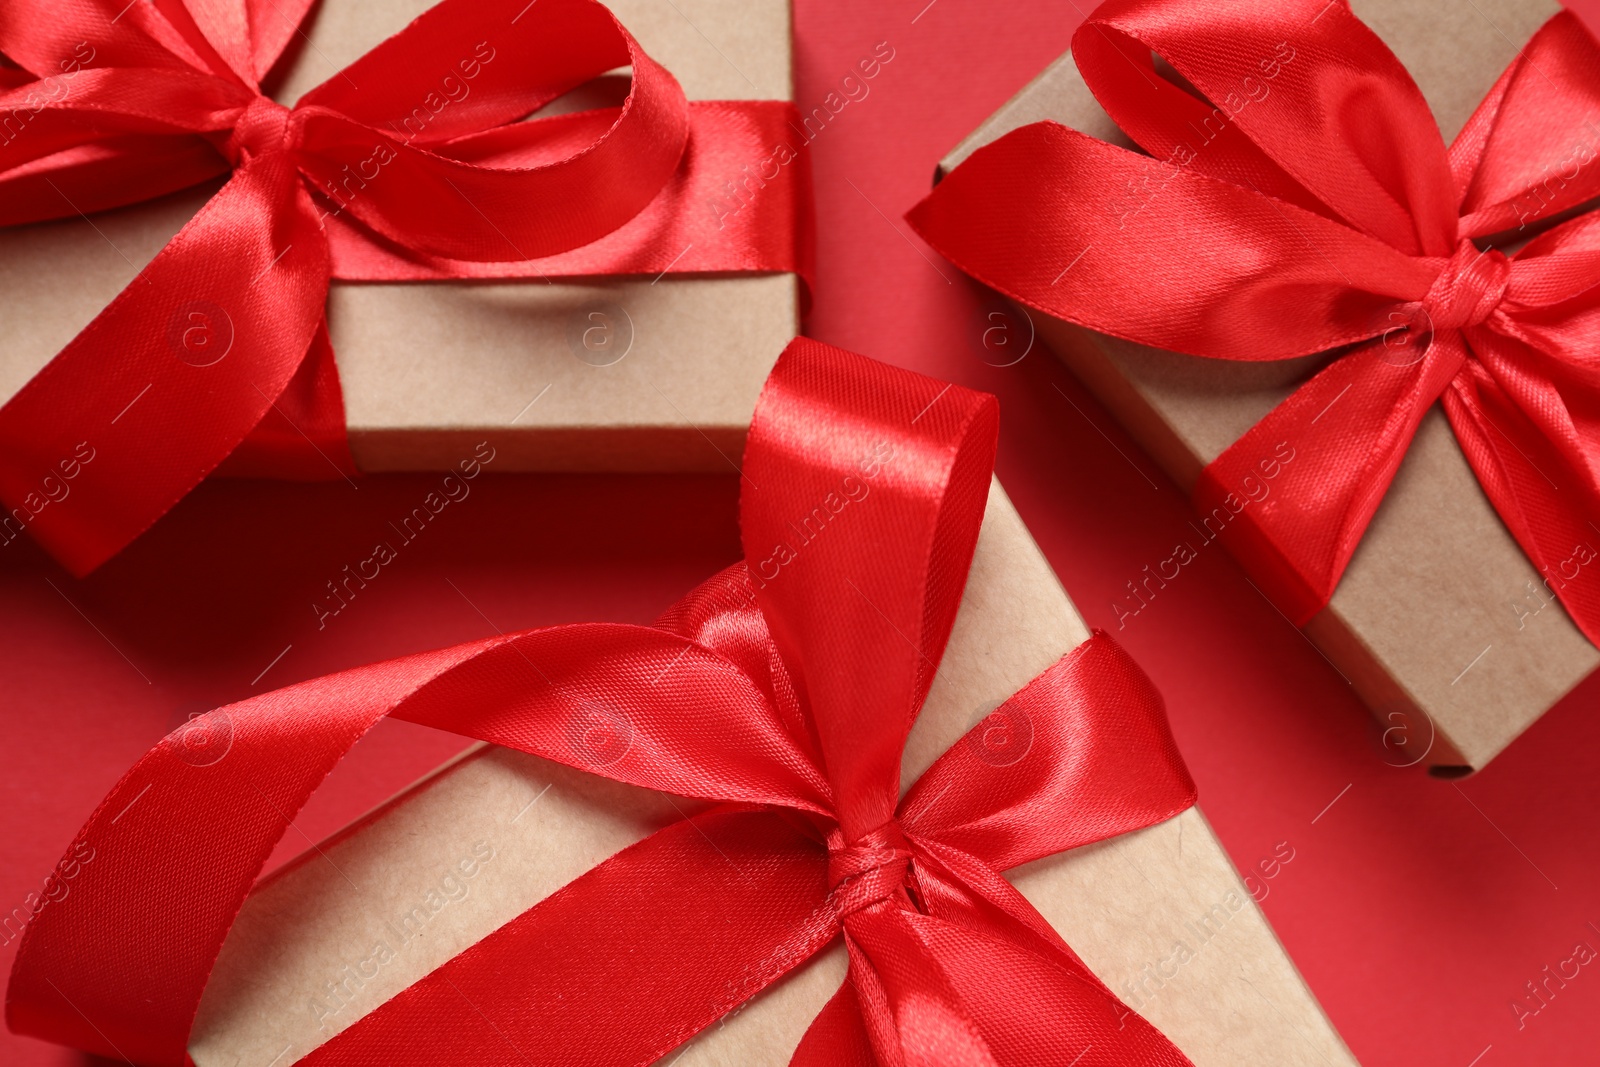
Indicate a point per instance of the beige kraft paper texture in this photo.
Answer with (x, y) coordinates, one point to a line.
(1160, 914)
(430, 369)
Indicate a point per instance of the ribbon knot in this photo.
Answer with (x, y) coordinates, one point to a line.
(786, 704)
(874, 868)
(1468, 289)
(263, 127)
(441, 165)
(1390, 215)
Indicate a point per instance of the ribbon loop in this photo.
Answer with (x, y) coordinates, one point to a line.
(1209, 254)
(1268, 92)
(863, 636)
(949, 963)
(414, 163)
(1527, 154)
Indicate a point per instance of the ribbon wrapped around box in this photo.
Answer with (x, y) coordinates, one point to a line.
(1298, 220)
(606, 281)
(684, 818)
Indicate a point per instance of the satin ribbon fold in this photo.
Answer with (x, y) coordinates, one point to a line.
(1297, 198)
(410, 164)
(780, 693)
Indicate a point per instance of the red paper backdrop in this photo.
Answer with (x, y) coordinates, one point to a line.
(1417, 909)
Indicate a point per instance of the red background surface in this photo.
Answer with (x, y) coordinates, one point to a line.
(1417, 909)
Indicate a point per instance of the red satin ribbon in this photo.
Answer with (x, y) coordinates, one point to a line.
(410, 164)
(1314, 207)
(785, 700)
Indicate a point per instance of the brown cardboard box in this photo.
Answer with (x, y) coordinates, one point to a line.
(1434, 622)
(430, 369)
(1124, 905)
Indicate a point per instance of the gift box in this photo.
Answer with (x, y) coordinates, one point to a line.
(623, 355)
(346, 937)
(1160, 914)
(1454, 638)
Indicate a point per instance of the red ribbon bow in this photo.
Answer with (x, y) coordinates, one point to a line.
(409, 164)
(783, 693)
(1315, 206)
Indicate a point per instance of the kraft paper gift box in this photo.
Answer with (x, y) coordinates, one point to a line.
(1441, 623)
(1160, 914)
(629, 373)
